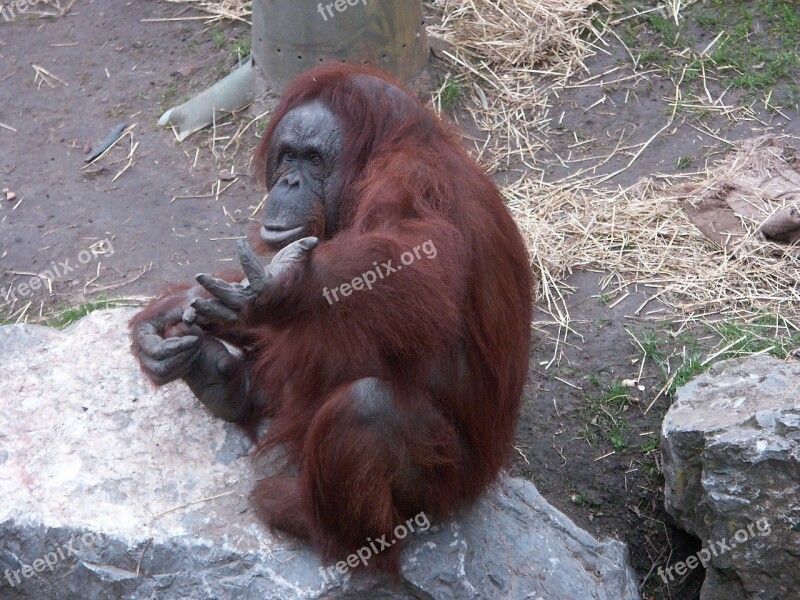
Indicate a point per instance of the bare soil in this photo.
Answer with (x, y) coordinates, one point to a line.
(117, 68)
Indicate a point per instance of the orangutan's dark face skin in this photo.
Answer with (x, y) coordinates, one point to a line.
(304, 176)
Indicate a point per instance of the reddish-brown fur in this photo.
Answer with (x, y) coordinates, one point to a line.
(449, 335)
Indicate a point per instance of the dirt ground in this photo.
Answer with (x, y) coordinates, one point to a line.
(116, 69)
(585, 439)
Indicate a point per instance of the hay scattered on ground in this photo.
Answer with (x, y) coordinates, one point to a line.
(220, 10)
(511, 54)
(643, 238)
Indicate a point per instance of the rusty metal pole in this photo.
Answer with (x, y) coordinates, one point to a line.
(291, 36)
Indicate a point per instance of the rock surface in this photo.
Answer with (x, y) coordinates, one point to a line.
(112, 489)
(731, 444)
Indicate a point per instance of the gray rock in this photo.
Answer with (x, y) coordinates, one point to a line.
(731, 446)
(112, 489)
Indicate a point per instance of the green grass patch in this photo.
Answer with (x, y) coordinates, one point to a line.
(651, 444)
(218, 37)
(652, 344)
(67, 316)
(683, 357)
(63, 316)
(766, 335)
(241, 48)
(664, 27)
(451, 93)
(605, 416)
(168, 94)
(690, 366)
(758, 50)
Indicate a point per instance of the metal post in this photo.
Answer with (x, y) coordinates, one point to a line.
(291, 36)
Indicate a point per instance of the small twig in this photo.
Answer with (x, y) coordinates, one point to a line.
(605, 455)
(41, 71)
(166, 512)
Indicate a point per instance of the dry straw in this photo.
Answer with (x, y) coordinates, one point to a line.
(511, 54)
(217, 10)
(643, 238)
